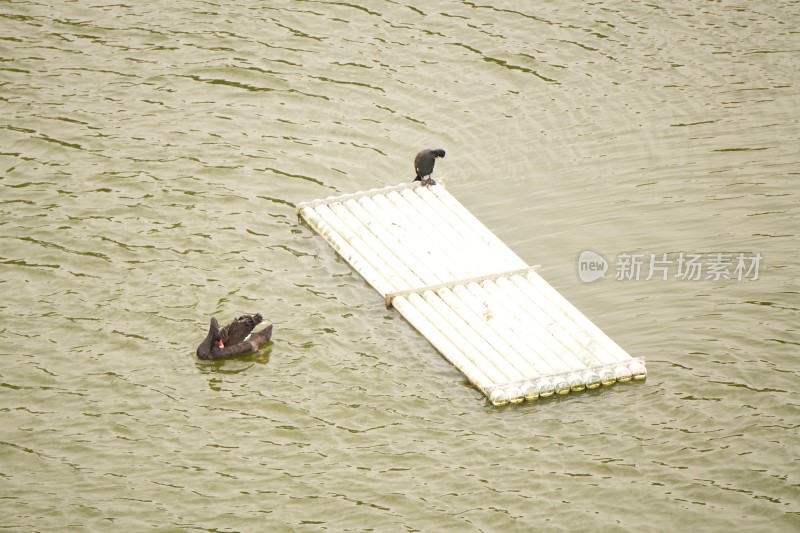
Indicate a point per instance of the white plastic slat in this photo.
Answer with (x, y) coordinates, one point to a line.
(428, 328)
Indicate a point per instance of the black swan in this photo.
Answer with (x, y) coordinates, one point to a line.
(424, 162)
(236, 338)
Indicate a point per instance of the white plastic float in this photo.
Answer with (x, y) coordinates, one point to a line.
(487, 311)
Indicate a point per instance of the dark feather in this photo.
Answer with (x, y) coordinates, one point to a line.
(239, 329)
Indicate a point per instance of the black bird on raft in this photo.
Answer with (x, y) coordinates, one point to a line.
(423, 164)
(236, 338)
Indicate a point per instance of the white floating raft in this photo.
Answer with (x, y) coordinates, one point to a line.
(487, 311)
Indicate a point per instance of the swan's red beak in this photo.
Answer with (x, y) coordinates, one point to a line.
(221, 344)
